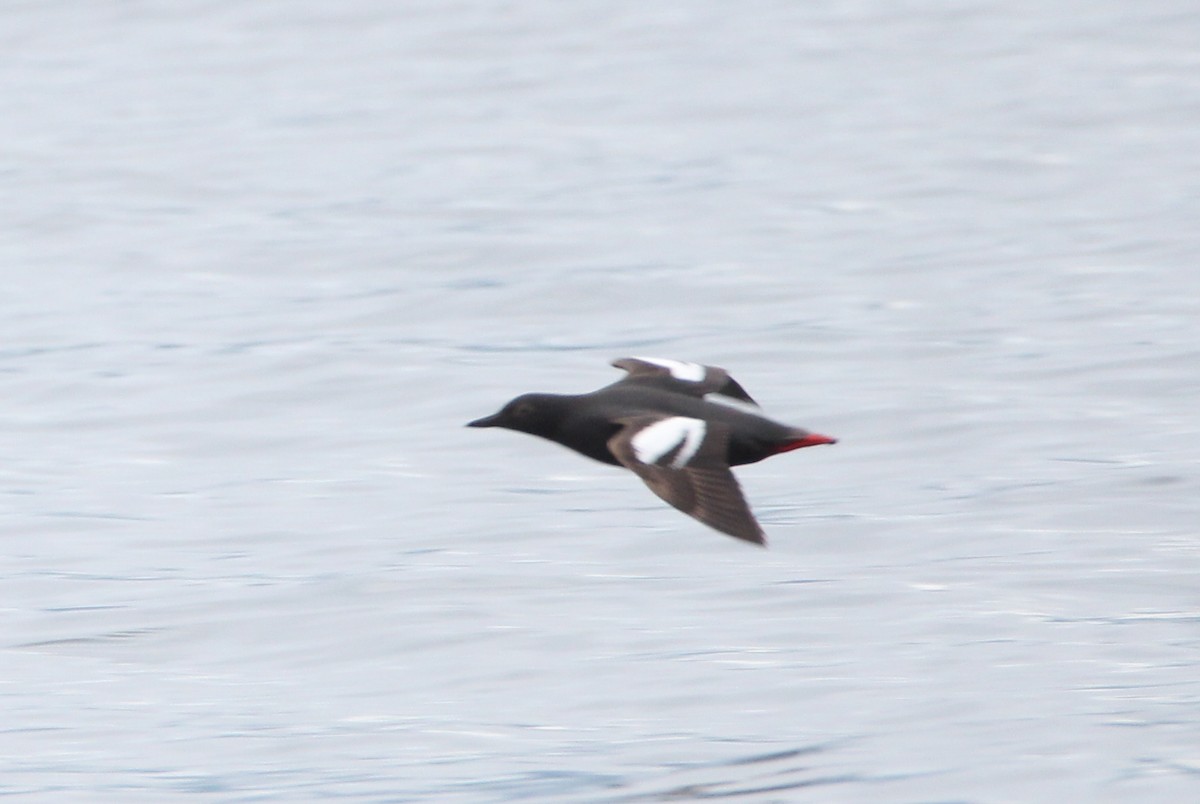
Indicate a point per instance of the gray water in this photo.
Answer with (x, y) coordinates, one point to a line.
(261, 261)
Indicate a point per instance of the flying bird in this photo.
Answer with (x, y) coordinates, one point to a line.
(678, 426)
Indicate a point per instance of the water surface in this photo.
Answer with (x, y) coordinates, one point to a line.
(263, 262)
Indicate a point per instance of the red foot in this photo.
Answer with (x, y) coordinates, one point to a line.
(810, 440)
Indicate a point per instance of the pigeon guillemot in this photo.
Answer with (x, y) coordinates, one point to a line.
(678, 426)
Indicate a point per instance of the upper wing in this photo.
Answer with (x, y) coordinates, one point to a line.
(681, 377)
(684, 461)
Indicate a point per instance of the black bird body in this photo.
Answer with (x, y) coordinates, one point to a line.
(660, 422)
(585, 422)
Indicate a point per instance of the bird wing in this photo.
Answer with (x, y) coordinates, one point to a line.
(688, 378)
(685, 462)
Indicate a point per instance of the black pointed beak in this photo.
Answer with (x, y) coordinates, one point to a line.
(486, 421)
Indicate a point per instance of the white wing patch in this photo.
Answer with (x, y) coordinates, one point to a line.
(736, 404)
(655, 441)
(688, 372)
